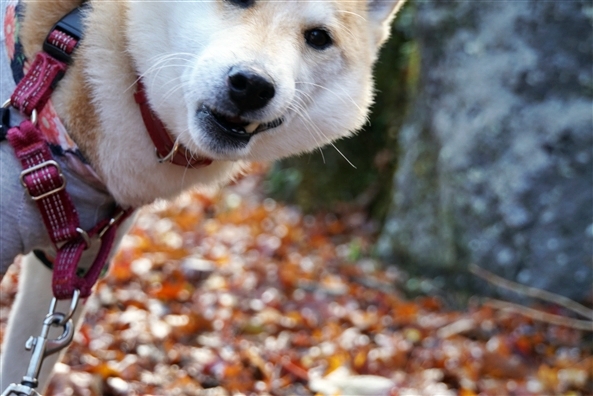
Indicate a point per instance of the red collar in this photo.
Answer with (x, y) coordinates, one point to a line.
(167, 149)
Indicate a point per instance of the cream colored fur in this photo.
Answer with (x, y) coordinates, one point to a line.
(183, 51)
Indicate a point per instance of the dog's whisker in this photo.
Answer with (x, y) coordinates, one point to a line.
(158, 63)
(188, 160)
(171, 92)
(308, 125)
(300, 91)
(156, 71)
(352, 13)
(299, 109)
(331, 91)
(308, 120)
(347, 30)
(344, 156)
(160, 57)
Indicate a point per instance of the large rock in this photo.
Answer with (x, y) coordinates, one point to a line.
(496, 157)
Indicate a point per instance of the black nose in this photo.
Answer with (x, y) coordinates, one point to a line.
(248, 89)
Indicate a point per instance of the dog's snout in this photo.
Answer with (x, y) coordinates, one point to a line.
(248, 89)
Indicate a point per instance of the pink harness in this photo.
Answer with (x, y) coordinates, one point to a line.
(45, 183)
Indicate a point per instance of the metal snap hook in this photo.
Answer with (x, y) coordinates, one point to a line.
(20, 390)
(56, 345)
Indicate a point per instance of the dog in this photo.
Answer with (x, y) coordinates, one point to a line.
(232, 81)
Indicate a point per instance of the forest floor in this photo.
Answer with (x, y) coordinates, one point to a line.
(237, 294)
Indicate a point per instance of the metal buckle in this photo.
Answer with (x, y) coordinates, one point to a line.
(41, 166)
(8, 103)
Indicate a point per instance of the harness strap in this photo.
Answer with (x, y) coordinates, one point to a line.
(42, 176)
(34, 90)
(65, 279)
(44, 182)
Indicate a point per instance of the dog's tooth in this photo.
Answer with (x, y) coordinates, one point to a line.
(251, 127)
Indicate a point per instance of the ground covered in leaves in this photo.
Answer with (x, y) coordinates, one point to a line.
(237, 294)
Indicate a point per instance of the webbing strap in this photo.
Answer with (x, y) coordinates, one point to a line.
(44, 181)
(42, 176)
(36, 87)
(65, 279)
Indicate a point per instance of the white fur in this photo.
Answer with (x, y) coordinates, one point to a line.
(183, 50)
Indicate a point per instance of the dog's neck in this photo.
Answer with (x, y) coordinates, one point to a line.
(95, 101)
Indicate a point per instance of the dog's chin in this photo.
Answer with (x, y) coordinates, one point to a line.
(225, 137)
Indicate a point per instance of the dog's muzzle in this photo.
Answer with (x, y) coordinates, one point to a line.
(232, 121)
(235, 126)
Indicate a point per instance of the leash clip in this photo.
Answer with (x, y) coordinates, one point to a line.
(20, 390)
(42, 347)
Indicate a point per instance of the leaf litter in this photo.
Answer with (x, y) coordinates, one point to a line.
(236, 294)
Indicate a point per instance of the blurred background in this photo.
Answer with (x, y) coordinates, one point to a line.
(479, 148)
(444, 250)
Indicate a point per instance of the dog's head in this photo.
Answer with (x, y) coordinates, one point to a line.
(259, 79)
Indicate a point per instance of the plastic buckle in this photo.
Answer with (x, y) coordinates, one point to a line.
(71, 25)
(5, 120)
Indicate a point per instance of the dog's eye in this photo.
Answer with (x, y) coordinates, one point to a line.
(318, 38)
(242, 3)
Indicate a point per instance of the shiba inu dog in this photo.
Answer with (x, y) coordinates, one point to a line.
(230, 80)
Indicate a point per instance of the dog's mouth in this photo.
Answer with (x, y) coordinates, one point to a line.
(236, 126)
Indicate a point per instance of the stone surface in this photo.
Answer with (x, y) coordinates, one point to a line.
(496, 156)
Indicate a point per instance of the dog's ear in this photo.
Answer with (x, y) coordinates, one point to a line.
(381, 14)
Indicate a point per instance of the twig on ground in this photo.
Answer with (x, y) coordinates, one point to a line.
(460, 326)
(532, 292)
(535, 314)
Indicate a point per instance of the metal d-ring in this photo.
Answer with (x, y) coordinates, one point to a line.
(85, 237)
(34, 117)
(112, 221)
(168, 157)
